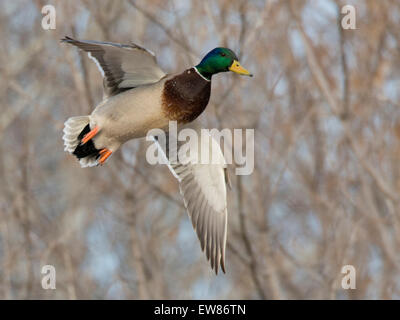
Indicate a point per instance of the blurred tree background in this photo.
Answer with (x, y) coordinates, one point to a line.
(324, 103)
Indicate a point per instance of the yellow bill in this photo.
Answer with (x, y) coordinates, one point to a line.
(237, 68)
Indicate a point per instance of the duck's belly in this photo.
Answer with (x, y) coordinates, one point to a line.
(128, 115)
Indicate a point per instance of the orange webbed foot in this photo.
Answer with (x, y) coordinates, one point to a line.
(104, 154)
(90, 135)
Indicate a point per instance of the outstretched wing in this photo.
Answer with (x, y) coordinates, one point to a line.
(203, 187)
(122, 66)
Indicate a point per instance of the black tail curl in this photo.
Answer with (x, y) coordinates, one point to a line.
(87, 149)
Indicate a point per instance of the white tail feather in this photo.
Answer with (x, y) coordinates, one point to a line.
(72, 128)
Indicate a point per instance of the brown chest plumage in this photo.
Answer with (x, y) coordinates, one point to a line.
(185, 96)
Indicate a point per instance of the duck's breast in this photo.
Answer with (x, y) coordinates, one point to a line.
(185, 96)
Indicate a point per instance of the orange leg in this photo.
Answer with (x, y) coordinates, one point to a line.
(105, 153)
(90, 135)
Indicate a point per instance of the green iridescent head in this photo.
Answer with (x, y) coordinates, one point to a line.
(220, 60)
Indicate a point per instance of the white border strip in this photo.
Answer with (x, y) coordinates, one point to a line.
(195, 69)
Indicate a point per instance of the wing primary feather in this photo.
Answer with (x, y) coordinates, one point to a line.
(206, 232)
(200, 224)
(203, 230)
(210, 233)
(194, 209)
(217, 241)
(213, 242)
(224, 244)
(197, 212)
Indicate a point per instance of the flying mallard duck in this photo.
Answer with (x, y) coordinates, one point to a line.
(138, 97)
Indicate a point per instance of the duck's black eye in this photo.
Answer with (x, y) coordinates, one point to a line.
(223, 54)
